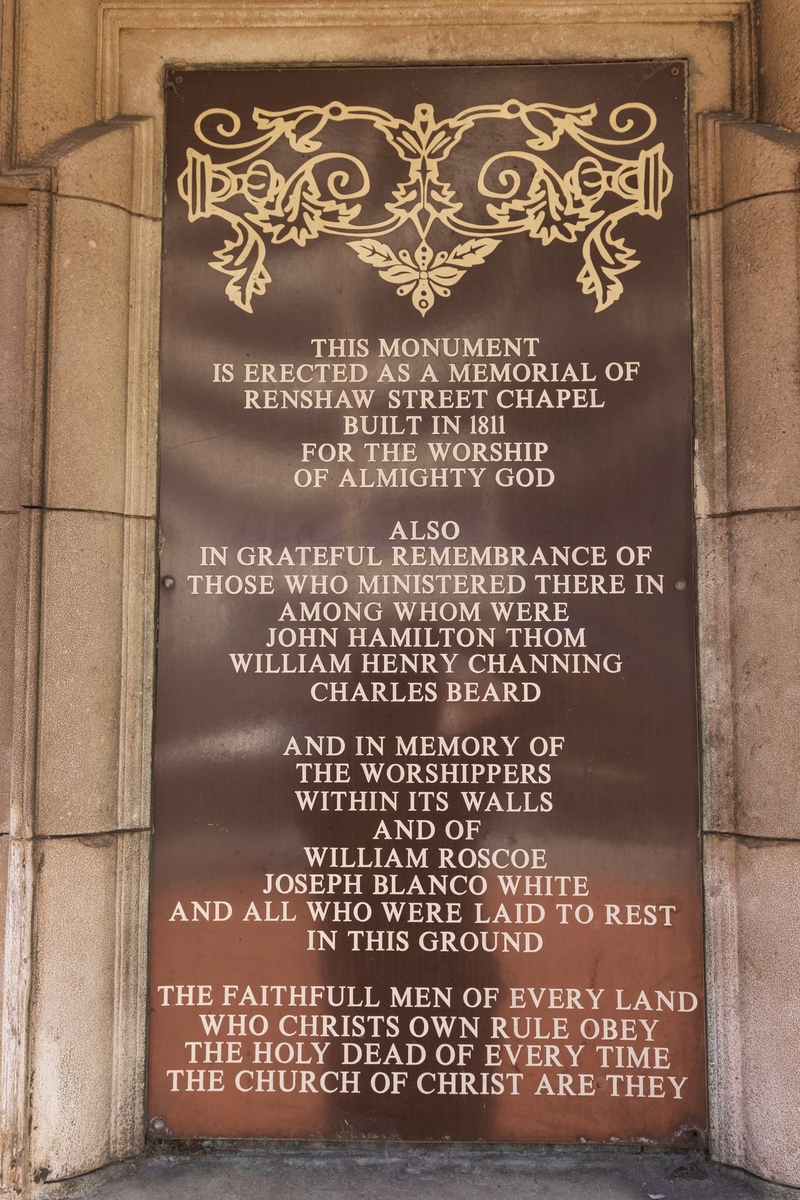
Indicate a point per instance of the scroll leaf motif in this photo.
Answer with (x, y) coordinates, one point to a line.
(242, 259)
(549, 210)
(522, 191)
(605, 259)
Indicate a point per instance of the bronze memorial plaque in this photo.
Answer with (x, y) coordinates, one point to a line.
(426, 859)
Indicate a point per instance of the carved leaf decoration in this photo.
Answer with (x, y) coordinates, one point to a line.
(548, 210)
(297, 211)
(441, 198)
(549, 123)
(554, 202)
(432, 195)
(447, 269)
(276, 125)
(440, 281)
(377, 254)
(242, 259)
(397, 273)
(426, 138)
(300, 212)
(408, 144)
(473, 252)
(443, 278)
(407, 197)
(605, 259)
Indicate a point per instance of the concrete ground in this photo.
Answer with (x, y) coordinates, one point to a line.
(408, 1172)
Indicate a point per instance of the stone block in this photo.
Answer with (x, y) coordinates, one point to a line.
(88, 1002)
(13, 263)
(88, 387)
(710, 418)
(96, 583)
(130, 1028)
(765, 629)
(714, 661)
(780, 62)
(55, 75)
(9, 540)
(72, 1005)
(769, 967)
(109, 163)
(762, 356)
(726, 1126)
(757, 160)
(4, 841)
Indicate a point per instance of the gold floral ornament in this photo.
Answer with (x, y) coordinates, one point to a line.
(522, 190)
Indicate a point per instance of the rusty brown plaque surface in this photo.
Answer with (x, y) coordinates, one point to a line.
(426, 854)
